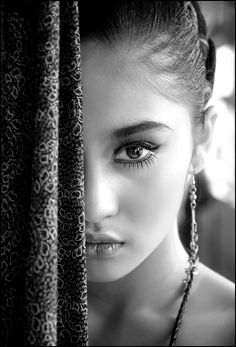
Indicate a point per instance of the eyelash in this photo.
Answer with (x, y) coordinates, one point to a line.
(138, 163)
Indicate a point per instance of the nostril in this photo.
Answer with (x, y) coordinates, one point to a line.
(94, 227)
(100, 194)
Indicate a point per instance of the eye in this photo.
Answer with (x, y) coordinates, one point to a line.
(133, 152)
(136, 154)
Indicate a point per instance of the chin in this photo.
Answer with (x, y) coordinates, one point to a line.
(106, 271)
(104, 276)
(105, 279)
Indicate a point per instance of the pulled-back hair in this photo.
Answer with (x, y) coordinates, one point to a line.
(164, 41)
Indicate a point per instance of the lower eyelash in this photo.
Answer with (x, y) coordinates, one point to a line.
(148, 162)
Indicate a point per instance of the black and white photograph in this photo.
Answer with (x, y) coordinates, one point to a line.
(117, 173)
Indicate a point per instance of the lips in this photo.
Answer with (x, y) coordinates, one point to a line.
(102, 245)
(102, 238)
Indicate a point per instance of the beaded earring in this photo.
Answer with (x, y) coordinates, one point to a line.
(193, 257)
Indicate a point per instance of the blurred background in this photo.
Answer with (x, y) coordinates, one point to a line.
(220, 17)
(216, 184)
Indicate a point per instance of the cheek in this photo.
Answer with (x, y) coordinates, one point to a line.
(155, 202)
(155, 195)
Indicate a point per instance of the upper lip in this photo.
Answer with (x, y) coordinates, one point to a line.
(102, 238)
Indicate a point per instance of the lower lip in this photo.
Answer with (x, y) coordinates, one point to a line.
(102, 250)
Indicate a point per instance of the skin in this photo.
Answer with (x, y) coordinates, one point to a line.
(135, 295)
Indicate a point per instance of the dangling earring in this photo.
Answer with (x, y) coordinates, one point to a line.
(193, 263)
(193, 256)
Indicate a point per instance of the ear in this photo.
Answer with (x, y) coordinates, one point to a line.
(203, 140)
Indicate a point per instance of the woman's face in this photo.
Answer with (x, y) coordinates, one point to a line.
(138, 149)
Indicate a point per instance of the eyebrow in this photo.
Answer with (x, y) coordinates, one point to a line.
(138, 128)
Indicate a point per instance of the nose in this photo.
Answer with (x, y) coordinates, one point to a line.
(100, 194)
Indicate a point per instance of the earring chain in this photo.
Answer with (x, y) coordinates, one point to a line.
(193, 256)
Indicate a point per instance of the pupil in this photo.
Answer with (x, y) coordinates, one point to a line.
(134, 152)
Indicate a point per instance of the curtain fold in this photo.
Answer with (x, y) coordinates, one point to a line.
(43, 260)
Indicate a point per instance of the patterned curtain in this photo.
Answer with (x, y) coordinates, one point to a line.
(43, 299)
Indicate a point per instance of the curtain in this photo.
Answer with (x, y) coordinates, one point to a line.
(43, 299)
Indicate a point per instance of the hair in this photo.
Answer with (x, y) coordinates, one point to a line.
(164, 41)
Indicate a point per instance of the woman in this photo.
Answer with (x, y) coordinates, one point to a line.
(148, 71)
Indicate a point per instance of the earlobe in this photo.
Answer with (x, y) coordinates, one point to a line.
(204, 140)
(210, 116)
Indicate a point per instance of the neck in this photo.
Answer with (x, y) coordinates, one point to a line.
(158, 280)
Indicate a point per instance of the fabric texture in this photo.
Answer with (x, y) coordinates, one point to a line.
(43, 261)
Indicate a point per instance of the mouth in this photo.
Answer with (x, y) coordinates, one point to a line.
(102, 249)
(102, 246)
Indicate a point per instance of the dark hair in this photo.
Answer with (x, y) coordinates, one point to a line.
(167, 38)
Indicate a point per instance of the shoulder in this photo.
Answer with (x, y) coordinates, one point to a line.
(210, 310)
(219, 291)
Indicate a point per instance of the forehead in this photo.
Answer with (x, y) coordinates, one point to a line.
(113, 96)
